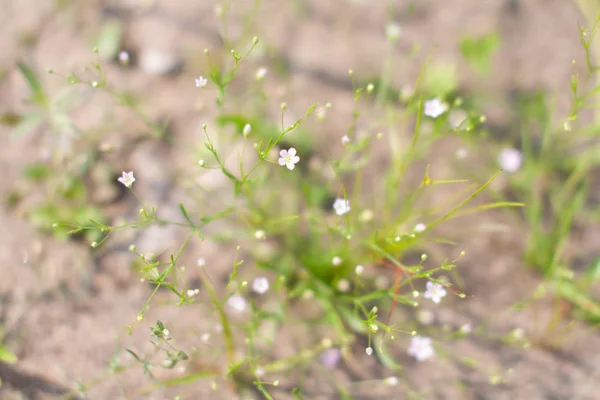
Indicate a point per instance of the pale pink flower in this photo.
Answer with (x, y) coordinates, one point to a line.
(288, 158)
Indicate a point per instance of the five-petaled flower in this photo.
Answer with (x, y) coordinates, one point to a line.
(260, 285)
(435, 107)
(435, 292)
(127, 178)
(341, 206)
(201, 82)
(421, 348)
(288, 158)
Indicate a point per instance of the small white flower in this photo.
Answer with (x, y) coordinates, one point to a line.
(435, 107)
(247, 129)
(261, 73)
(191, 293)
(201, 262)
(345, 139)
(393, 30)
(359, 270)
(341, 206)
(237, 302)
(510, 159)
(201, 82)
(288, 158)
(127, 178)
(260, 285)
(260, 234)
(421, 348)
(420, 227)
(336, 261)
(369, 351)
(124, 57)
(435, 292)
(392, 381)
(466, 328)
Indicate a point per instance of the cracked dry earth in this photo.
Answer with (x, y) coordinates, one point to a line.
(63, 307)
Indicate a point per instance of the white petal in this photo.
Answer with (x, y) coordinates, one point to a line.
(292, 151)
(290, 166)
(281, 161)
(283, 153)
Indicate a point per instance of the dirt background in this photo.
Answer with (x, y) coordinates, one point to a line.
(63, 305)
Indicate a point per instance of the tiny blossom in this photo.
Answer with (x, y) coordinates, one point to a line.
(466, 328)
(247, 129)
(260, 234)
(336, 261)
(345, 139)
(421, 348)
(191, 293)
(435, 107)
(260, 285)
(510, 159)
(392, 381)
(237, 302)
(205, 337)
(393, 30)
(124, 57)
(435, 292)
(201, 262)
(261, 73)
(288, 158)
(201, 82)
(330, 357)
(341, 206)
(127, 178)
(420, 227)
(359, 269)
(369, 351)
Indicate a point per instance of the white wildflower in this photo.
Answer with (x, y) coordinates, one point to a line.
(435, 107)
(369, 351)
(237, 302)
(345, 139)
(260, 73)
(201, 82)
(420, 227)
(393, 30)
(435, 292)
(510, 159)
(260, 285)
(127, 178)
(247, 130)
(288, 158)
(421, 348)
(336, 261)
(341, 206)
